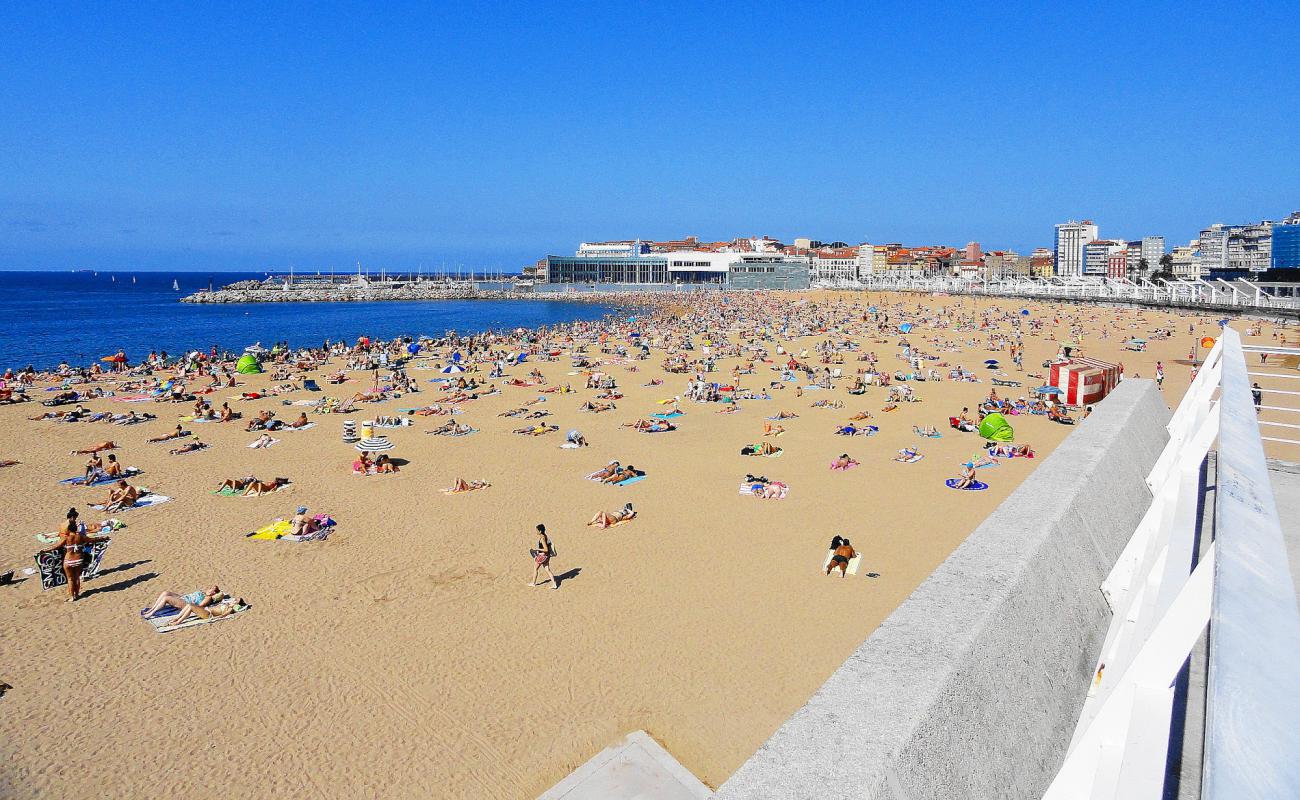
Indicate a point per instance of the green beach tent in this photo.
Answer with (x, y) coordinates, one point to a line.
(995, 428)
(248, 365)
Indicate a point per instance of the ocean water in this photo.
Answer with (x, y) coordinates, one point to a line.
(46, 317)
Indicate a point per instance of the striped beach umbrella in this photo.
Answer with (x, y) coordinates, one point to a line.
(377, 444)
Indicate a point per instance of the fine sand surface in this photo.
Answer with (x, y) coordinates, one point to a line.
(406, 656)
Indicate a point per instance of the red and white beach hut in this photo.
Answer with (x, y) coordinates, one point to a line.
(1083, 380)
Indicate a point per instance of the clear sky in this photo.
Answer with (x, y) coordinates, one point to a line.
(263, 135)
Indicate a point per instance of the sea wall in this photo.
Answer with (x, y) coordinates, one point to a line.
(973, 686)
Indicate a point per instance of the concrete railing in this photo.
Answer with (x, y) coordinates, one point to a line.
(970, 688)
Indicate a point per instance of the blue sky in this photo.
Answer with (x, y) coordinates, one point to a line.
(247, 136)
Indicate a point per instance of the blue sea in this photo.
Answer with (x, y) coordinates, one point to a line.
(81, 316)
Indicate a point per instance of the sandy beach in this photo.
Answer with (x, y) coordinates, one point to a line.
(407, 656)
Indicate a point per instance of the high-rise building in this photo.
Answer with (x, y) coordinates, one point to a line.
(1235, 250)
(1286, 243)
(1133, 258)
(1153, 247)
(1071, 237)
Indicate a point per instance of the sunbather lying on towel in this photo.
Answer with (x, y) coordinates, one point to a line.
(786, 415)
(604, 519)
(843, 462)
(772, 430)
(537, 430)
(928, 431)
(1006, 450)
(96, 448)
(848, 430)
(452, 428)
(861, 415)
(199, 598)
(222, 608)
(264, 440)
(604, 472)
(462, 485)
(236, 484)
(188, 447)
(179, 433)
(258, 488)
(659, 426)
(760, 449)
(907, 454)
(618, 476)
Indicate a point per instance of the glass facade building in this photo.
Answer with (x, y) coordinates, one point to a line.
(1286, 247)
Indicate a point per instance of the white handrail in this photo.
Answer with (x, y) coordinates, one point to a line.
(1162, 597)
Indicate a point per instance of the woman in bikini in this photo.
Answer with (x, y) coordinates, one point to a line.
(237, 484)
(462, 485)
(76, 551)
(258, 488)
(385, 466)
(542, 558)
(198, 598)
(96, 448)
(604, 519)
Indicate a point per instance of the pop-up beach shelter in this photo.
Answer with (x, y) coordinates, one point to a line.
(995, 428)
(248, 365)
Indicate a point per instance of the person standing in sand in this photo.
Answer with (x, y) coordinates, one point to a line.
(542, 558)
(75, 545)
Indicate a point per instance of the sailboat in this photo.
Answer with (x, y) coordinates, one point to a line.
(133, 280)
(176, 287)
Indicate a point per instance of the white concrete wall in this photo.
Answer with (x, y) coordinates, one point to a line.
(973, 686)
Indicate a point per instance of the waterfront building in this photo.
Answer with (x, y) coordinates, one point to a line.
(834, 264)
(1235, 251)
(1097, 257)
(1153, 247)
(614, 249)
(1042, 263)
(1183, 261)
(1133, 259)
(676, 268)
(1071, 237)
(1286, 243)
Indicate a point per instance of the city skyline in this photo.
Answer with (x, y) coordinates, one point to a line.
(213, 139)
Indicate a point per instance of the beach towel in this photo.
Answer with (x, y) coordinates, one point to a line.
(758, 489)
(650, 430)
(228, 492)
(911, 460)
(854, 563)
(569, 446)
(977, 486)
(268, 444)
(629, 481)
(289, 429)
(670, 415)
(144, 502)
(850, 466)
(50, 565)
(279, 530)
(162, 622)
(80, 480)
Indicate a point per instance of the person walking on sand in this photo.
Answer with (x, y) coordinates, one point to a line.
(542, 558)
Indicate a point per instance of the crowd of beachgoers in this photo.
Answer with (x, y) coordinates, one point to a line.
(918, 372)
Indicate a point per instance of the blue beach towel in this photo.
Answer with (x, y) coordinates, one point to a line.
(977, 486)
